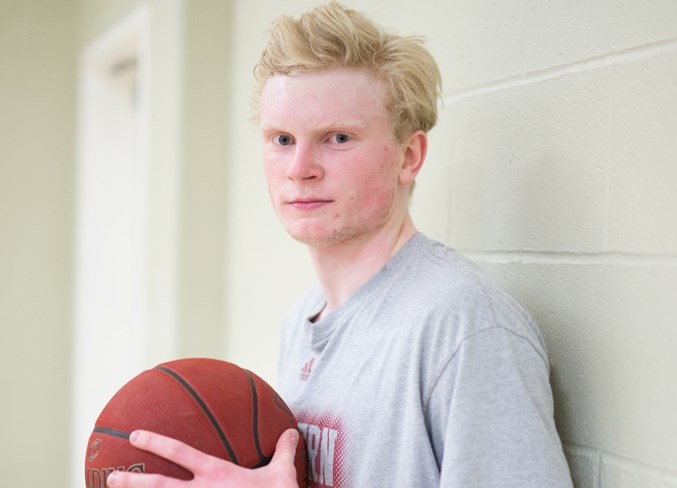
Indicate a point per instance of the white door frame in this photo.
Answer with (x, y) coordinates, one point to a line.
(112, 212)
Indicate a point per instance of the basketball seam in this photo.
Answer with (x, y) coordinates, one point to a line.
(205, 409)
(279, 403)
(263, 460)
(113, 432)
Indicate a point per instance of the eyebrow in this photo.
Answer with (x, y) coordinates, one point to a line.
(350, 123)
(325, 126)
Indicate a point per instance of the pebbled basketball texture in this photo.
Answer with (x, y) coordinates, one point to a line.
(212, 405)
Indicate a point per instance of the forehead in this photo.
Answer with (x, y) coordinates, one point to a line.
(322, 97)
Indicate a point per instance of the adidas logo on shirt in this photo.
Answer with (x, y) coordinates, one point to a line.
(307, 369)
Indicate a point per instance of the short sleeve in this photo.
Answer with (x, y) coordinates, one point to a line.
(491, 416)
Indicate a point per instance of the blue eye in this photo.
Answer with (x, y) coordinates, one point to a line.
(283, 140)
(340, 138)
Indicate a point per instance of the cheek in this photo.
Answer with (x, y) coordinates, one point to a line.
(379, 184)
(273, 170)
(385, 174)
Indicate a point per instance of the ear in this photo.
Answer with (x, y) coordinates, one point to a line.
(414, 149)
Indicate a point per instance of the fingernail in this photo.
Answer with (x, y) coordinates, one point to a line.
(134, 436)
(295, 436)
(112, 479)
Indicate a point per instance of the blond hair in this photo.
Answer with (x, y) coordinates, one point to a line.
(333, 36)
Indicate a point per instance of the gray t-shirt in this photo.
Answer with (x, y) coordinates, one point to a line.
(430, 375)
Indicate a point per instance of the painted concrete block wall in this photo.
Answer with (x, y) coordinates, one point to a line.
(554, 166)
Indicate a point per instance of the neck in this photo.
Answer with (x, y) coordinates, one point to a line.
(342, 269)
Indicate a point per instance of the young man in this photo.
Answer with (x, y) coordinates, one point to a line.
(406, 366)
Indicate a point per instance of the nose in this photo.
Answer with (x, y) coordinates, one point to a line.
(304, 164)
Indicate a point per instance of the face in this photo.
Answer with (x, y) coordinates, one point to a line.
(331, 160)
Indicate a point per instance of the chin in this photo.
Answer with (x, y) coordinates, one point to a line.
(328, 238)
(312, 240)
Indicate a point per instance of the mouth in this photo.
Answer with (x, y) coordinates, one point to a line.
(308, 203)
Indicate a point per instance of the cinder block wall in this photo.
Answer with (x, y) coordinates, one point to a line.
(559, 163)
(554, 166)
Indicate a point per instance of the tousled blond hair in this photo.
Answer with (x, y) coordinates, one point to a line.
(333, 36)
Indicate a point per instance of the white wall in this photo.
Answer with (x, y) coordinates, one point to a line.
(37, 130)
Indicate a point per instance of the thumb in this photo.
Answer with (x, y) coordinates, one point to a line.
(285, 449)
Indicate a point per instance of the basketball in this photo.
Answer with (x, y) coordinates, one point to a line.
(212, 405)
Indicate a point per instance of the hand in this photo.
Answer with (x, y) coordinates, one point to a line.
(209, 471)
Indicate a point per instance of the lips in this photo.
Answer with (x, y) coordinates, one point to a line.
(308, 203)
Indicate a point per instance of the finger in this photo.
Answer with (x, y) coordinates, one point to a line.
(285, 449)
(173, 450)
(124, 479)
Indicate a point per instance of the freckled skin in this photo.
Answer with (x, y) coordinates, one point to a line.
(355, 180)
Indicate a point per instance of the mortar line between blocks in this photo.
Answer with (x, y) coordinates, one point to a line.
(635, 53)
(663, 474)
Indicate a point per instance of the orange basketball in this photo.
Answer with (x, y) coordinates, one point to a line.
(211, 405)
